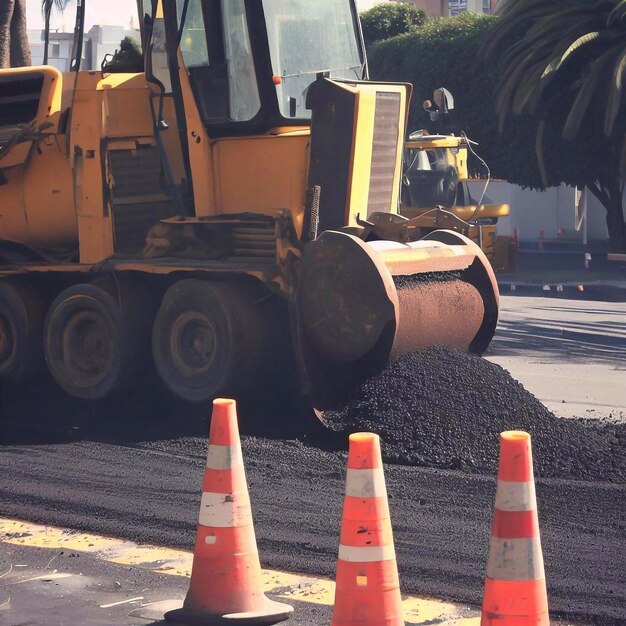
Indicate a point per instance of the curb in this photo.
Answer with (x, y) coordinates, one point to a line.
(583, 291)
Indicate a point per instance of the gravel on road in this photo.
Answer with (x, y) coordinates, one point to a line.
(443, 408)
(439, 413)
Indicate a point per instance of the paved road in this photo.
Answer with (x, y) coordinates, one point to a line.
(52, 576)
(93, 468)
(571, 354)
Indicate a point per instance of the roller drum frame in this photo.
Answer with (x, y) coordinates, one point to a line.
(361, 304)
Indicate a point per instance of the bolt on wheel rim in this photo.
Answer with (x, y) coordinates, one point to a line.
(86, 347)
(193, 343)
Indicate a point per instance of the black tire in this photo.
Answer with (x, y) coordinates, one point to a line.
(208, 339)
(22, 312)
(95, 338)
(447, 186)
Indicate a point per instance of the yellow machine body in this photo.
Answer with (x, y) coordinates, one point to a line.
(442, 154)
(133, 226)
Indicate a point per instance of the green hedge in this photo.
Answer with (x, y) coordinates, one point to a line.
(445, 53)
(388, 20)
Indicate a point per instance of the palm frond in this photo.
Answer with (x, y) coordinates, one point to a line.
(539, 152)
(48, 5)
(622, 166)
(509, 87)
(578, 29)
(618, 13)
(556, 64)
(615, 100)
(585, 94)
(500, 34)
(526, 87)
(557, 26)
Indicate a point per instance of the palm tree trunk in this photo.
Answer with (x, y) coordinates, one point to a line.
(610, 195)
(20, 50)
(616, 224)
(6, 17)
(14, 48)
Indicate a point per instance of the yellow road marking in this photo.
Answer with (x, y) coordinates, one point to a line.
(285, 585)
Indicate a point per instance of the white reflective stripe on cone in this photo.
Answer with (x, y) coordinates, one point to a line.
(515, 559)
(366, 554)
(365, 483)
(516, 496)
(223, 457)
(224, 510)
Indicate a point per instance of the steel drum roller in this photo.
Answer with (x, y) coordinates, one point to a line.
(360, 304)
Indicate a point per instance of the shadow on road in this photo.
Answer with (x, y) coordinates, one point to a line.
(41, 413)
(585, 341)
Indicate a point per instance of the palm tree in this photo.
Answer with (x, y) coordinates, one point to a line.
(46, 9)
(564, 63)
(14, 48)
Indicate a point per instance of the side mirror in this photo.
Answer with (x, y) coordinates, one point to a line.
(443, 99)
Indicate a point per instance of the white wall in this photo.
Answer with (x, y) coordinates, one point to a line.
(551, 211)
(59, 49)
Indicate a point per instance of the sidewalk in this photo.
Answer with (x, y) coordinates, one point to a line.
(562, 274)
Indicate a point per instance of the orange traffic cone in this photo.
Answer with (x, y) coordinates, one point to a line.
(225, 582)
(368, 590)
(515, 586)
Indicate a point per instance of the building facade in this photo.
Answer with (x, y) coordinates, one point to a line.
(447, 8)
(98, 42)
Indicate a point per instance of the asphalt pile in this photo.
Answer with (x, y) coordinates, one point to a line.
(443, 408)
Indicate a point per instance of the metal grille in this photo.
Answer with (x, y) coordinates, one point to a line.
(137, 197)
(384, 151)
(254, 243)
(132, 222)
(135, 172)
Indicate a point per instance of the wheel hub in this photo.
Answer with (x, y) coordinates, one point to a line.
(86, 345)
(192, 343)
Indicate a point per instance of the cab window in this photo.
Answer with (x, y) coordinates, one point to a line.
(193, 42)
(215, 45)
(307, 38)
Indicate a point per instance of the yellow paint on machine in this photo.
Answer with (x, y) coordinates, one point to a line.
(285, 585)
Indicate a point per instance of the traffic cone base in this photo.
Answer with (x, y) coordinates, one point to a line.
(515, 603)
(270, 613)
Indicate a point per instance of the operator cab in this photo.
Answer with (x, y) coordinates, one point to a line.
(250, 62)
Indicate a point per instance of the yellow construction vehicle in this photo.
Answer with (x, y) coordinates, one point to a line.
(436, 181)
(238, 195)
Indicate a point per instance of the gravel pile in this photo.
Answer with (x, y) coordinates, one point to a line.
(443, 408)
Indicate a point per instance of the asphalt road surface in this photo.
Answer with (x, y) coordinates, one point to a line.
(571, 354)
(136, 473)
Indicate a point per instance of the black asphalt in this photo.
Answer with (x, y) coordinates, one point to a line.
(136, 473)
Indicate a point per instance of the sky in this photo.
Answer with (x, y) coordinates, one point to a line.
(104, 12)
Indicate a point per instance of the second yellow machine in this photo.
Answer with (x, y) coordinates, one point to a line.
(237, 197)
